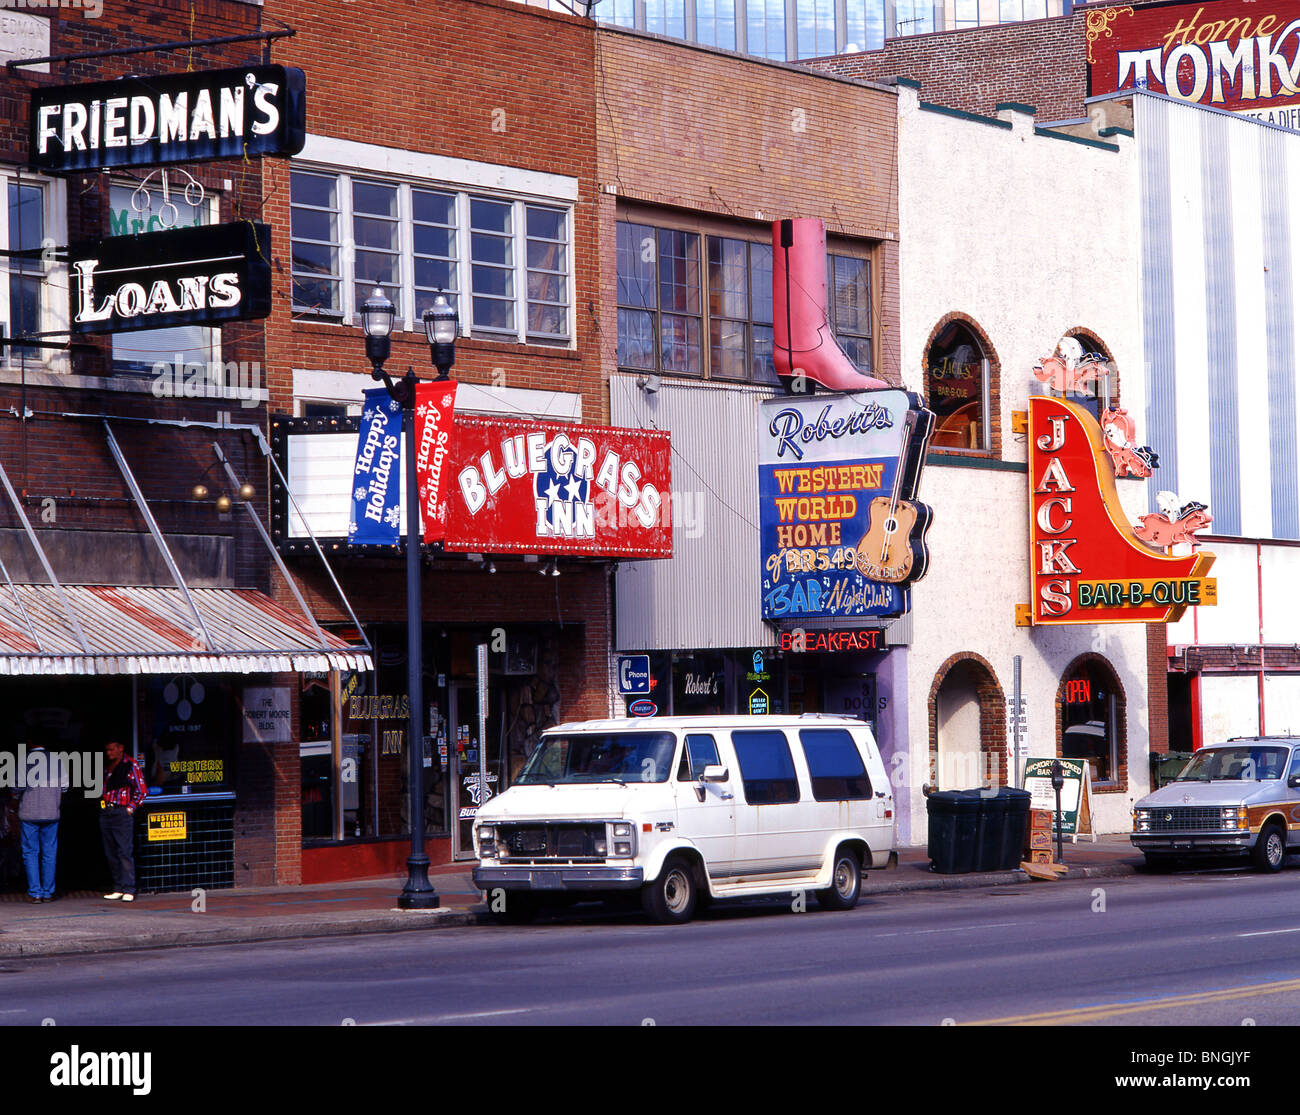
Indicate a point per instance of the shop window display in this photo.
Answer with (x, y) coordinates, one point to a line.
(1091, 720)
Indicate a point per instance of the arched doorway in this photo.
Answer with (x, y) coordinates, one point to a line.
(1093, 720)
(967, 726)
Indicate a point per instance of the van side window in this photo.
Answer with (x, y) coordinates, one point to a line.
(766, 768)
(834, 764)
(1295, 765)
(700, 751)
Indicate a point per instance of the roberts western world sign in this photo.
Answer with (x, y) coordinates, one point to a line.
(186, 276)
(177, 118)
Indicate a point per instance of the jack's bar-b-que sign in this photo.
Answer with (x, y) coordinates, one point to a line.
(174, 118)
(202, 275)
(1086, 564)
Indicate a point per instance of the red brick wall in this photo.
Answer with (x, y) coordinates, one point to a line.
(429, 79)
(1157, 688)
(744, 140)
(1039, 62)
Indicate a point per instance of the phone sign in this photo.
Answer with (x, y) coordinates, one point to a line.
(634, 674)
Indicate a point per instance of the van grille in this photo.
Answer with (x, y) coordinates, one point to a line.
(571, 843)
(1186, 818)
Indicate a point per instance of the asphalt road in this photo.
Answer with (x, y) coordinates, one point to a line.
(1219, 948)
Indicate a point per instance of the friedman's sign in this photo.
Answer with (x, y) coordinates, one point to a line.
(1087, 564)
(841, 533)
(1239, 55)
(202, 275)
(176, 118)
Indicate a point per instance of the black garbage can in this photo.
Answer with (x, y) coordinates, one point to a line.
(1011, 808)
(954, 832)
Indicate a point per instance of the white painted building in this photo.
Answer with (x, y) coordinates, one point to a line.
(1010, 238)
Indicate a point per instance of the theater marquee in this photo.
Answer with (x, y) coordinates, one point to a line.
(1088, 562)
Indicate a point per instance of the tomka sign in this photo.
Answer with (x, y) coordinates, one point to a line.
(1239, 55)
(176, 118)
(202, 275)
(518, 487)
(1086, 564)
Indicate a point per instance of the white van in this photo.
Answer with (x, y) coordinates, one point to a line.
(685, 809)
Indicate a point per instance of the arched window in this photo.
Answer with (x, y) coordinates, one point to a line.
(1092, 719)
(1094, 393)
(957, 384)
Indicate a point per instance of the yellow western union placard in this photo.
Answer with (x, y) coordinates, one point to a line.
(166, 826)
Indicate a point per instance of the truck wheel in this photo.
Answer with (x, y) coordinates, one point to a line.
(670, 899)
(1270, 848)
(846, 882)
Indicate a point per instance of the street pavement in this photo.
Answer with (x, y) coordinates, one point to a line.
(85, 922)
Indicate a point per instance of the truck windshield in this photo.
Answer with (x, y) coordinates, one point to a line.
(621, 757)
(1235, 764)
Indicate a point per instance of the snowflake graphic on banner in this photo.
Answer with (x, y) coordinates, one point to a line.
(393, 516)
(358, 493)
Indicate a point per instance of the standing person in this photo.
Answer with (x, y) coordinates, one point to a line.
(124, 792)
(39, 800)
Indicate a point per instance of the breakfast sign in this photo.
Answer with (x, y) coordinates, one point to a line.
(1088, 563)
(1239, 55)
(841, 533)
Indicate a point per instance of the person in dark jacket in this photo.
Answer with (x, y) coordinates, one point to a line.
(124, 793)
(44, 782)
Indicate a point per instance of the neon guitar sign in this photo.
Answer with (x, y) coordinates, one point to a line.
(893, 549)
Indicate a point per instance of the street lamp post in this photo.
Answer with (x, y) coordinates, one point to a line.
(377, 314)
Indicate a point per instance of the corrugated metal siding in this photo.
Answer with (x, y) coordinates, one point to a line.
(1159, 321)
(709, 594)
(1210, 221)
(1278, 308)
(1220, 312)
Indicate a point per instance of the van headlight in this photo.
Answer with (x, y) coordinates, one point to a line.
(622, 839)
(1235, 818)
(1141, 820)
(487, 841)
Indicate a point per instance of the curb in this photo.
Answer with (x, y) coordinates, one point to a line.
(993, 879)
(403, 921)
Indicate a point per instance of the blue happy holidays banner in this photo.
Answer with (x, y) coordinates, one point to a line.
(377, 479)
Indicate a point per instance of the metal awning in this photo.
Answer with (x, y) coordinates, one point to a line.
(99, 629)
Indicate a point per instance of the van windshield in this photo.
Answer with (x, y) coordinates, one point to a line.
(621, 757)
(1235, 764)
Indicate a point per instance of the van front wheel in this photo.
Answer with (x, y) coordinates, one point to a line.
(670, 899)
(846, 882)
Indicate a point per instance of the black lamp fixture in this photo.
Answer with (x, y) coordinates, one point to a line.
(377, 314)
(441, 328)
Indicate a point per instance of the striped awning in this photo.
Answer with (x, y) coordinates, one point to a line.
(129, 630)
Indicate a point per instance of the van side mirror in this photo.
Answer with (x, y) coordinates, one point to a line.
(1294, 782)
(713, 773)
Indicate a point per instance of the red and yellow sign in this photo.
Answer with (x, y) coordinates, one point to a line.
(166, 826)
(1239, 55)
(1086, 564)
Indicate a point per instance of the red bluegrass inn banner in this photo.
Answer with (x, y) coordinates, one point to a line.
(1088, 562)
(518, 486)
(1239, 55)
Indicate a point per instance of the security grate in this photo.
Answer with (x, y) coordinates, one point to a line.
(205, 858)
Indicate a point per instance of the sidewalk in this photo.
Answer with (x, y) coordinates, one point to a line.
(83, 922)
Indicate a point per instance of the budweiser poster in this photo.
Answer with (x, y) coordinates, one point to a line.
(517, 486)
(1238, 55)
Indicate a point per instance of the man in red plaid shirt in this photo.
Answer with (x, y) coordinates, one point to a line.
(124, 792)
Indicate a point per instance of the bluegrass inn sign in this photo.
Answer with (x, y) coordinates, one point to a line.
(176, 118)
(186, 276)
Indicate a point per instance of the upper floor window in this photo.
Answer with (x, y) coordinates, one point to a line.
(503, 263)
(913, 17)
(33, 289)
(957, 383)
(1011, 11)
(692, 303)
